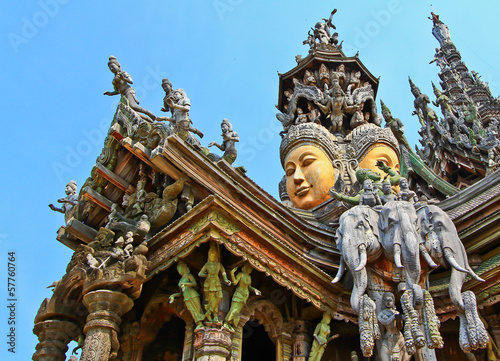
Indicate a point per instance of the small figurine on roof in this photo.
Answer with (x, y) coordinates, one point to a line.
(68, 203)
(229, 138)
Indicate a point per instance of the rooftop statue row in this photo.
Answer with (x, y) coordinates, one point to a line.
(142, 125)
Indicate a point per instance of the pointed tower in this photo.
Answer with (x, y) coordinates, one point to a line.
(462, 147)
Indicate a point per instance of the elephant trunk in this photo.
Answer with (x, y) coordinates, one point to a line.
(411, 258)
(360, 284)
(340, 272)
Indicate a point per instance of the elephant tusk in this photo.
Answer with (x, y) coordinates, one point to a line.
(362, 258)
(448, 254)
(474, 275)
(427, 256)
(397, 255)
(340, 272)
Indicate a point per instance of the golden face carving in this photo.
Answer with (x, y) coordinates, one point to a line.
(382, 152)
(309, 176)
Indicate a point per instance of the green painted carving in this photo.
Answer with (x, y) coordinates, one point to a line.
(215, 217)
(191, 297)
(212, 288)
(240, 297)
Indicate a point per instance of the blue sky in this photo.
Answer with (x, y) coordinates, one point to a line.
(224, 53)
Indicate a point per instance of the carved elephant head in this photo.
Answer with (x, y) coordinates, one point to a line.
(398, 224)
(358, 243)
(441, 240)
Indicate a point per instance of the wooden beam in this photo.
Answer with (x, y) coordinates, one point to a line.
(81, 230)
(97, 198)
(114, 179)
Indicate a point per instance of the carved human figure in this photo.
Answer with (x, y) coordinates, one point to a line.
(406, 194)
(394, 124)
(322, 31)
(392, 344)
(321, 338)
(228, 145)
(191, 297)
(334, 105)
(121, 84)
(128, 244)
(422, 109)
(243, 281)
(388, 195)
(68, 203)
(370, 196)
(212, 288)
(301, 117)
(314, 113)
(358, 118)
(178, 102)
(167, 87)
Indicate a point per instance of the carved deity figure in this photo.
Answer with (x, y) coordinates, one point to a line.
(388, 195)
(191, 297)
(334, 105)
(178, 102)
(322, 31)
(321, 338)
(392, 342)
(301, 117)
(229, 138)
(358, 118)
(394, 124)
(244, 285)
(422, 110)
(406, 194)
(121, 83)
(370, 196)
(68, 203)
(212, 288)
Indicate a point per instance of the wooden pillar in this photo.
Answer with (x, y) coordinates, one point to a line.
(188, 351)
(105, 311)
(212, 344)
(53, 336)
(284, 344)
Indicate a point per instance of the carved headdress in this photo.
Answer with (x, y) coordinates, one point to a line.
(309, 133)
(364, 137)
(72, 185)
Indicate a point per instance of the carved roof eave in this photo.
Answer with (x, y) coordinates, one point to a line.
(213, 219)
(328, 57)
(240, 191)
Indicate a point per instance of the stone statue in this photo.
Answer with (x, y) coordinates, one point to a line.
(179, 104)
(392, 342)
(244, 285)
(212, 288)
(369, 197)
(191, 297)
(229, 138)
(68, 203)
(321, 338)
(388, 195)
(405, 194)
(121, 85)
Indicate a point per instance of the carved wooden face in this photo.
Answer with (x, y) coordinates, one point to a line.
(309, 176)
(382, 152)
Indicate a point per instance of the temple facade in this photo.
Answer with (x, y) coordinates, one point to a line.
(374, 251)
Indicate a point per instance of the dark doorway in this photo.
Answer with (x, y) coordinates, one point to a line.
(256, 344)
(169, 342)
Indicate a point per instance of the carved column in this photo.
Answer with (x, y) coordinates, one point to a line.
(238, 338)
(284, 344)
(212, 344)
(301, 341)
(187, 351)
(53, 336)
(105, 311)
